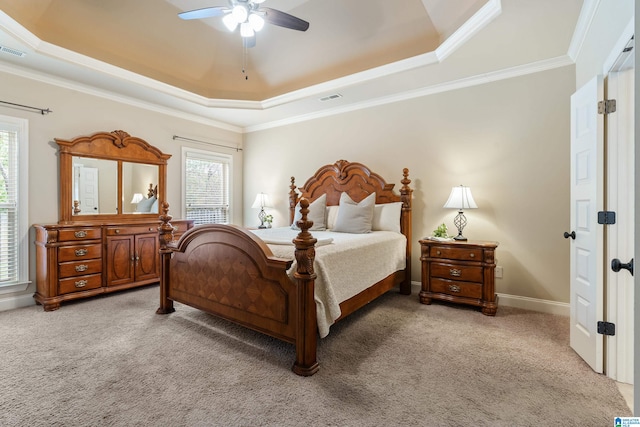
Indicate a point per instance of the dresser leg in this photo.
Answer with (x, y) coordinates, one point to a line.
(425, 298)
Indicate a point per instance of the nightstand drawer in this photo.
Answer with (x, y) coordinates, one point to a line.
(457, 272)
(463, 254)
(459, 289)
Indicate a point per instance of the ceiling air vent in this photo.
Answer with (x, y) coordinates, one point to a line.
(330, 97)
(11, 51)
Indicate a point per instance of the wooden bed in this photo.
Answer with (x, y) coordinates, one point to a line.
(228, 271)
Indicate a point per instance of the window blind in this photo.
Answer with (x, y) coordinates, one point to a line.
(9, 221)
(207, 188)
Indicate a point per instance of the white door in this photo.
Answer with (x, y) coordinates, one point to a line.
(620, 237)
(586, 259)
(89, 191)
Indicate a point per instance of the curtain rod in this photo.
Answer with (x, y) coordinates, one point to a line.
(205, 142)
(42, 111)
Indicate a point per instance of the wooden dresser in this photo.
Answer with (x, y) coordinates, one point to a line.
(107, 237)
(459, 272)
(79, 261)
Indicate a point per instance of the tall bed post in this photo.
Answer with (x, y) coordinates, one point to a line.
(165, 236)
(306, 363)
(406, 195)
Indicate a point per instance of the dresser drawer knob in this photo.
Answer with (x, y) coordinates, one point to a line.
(81, 283)
(117, 231)
(82, 267)
(81, 252)
(472, 255)
(454, 288)
(438, 253)
(80, 234)
(455, 272)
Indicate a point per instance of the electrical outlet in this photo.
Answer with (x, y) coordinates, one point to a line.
(498, 272)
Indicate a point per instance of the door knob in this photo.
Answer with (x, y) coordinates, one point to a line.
(616, 265)
(572, 235)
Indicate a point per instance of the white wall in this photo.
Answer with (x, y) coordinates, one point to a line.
(75, 114)
(507, 140)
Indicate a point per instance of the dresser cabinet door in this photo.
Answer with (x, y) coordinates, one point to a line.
(147, 257)
(120, 260)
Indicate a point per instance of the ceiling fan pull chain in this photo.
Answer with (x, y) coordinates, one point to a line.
(244, 62)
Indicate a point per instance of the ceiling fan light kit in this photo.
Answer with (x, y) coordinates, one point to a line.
(249, 15)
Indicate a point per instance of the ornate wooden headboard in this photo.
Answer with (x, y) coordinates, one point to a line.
(358, 182)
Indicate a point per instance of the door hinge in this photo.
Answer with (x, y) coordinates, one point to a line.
(606, 217)
(607, 106)
(606, 328)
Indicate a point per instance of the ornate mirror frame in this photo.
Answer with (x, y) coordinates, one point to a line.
(120, 147)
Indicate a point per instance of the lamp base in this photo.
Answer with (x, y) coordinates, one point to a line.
(264, 226)
(460, 238)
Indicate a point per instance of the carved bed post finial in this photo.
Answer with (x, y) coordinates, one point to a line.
(165, 229)
(307, 325)
(165, 236)
(293, 200)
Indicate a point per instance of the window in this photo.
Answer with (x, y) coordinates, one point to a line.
(206, 186)
(14, 213)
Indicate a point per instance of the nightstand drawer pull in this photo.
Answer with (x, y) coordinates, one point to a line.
(454, 288)
(82, 267)
(81, 252)
(455, 272)
(80, 234)
(81, 283)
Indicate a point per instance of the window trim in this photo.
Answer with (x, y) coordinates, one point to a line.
(22, 126)
(213, 155)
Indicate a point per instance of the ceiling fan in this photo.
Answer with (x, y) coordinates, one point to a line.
(250, 16)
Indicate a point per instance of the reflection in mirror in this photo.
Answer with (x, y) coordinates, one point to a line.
(95, 186)
(140, 187)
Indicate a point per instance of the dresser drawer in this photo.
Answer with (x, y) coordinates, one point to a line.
(79, 234)
(457, 272)
(132, 229)
(80, 283)
(79, 268)
(79, 252)
(459, 289)
(463, 254)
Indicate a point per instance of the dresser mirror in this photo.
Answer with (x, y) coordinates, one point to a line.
(110, 175)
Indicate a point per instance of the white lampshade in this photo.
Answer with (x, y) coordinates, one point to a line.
(240, 13)
(230, 22)
(256, 22)
(262, 201)
(461, 198)
(137, 198)
(246, 30)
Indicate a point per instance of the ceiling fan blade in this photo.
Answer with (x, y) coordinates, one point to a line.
(285, 20)
(248, 42)
(207, 12)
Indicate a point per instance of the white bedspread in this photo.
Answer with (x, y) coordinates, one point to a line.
(345, 264)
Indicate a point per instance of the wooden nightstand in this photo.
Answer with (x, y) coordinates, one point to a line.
(459, 272)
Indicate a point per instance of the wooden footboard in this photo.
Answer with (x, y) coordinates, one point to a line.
(229, 272)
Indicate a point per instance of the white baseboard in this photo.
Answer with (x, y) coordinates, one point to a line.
(16, 301)
(526, 303)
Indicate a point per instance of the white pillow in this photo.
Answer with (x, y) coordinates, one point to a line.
(355, 217)
(332, 214)
(145, 204)
(386, 217)
(316, 214)
(154, 207)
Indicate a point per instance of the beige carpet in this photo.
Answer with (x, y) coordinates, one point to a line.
(111, 361)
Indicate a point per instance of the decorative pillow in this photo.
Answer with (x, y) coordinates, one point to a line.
(332, 214)
(355, 217)
(145, 204)
(316, 214)
(154, 207)
(386, 217)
